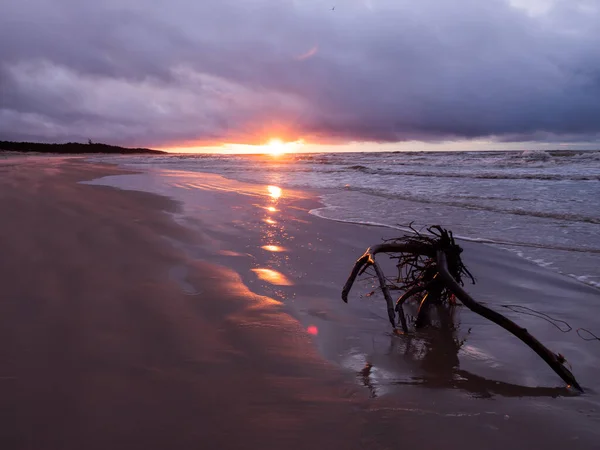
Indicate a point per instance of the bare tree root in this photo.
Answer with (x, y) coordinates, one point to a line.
(368, 259)
(556, 362)
(431, 264)
(408, 294)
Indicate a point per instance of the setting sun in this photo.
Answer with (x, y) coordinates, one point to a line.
(275, 147)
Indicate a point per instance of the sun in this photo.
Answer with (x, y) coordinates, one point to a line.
(275, 147)
(278, 147)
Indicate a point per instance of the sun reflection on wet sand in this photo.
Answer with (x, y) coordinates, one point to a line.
(274, 191)
(268, 208)
(273, 277)
(230, 253)
(273, 248)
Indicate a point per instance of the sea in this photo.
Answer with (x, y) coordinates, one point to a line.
(543, 206)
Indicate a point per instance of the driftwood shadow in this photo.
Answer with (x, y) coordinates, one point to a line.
(437, 354)
(434, 354)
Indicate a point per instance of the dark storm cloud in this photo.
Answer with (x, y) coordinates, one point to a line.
(176, 72)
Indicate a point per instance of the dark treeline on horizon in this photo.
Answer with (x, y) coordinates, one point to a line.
(69, 148)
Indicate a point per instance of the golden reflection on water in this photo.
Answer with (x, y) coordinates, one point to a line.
(230, 253)
(273, 248)
(271, 237)
(274, 191)
(273, 277)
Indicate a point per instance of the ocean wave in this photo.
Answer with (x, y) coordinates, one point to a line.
(448, 202)
(535, 155)
(256, 169)
(518, 248)
(330, 168)
(322, 213)
(475, 175)
(359, 168)
(558, 186)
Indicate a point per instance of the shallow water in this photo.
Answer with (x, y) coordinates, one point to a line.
(502, 278)
(542, 206)
(478, 374)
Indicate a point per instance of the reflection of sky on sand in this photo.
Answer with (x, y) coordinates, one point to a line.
(430, 359)
(423, 374)
(393, 361)
(230, 253)
(272, 235)
(273, 248)
(274, 191)
(272, 276)
(181, 185)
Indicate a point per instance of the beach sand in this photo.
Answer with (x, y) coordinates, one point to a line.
(129, 321)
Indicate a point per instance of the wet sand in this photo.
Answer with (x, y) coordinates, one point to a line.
(101, 349)
(123, 328)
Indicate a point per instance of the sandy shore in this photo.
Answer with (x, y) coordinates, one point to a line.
(123, 328)
(100, 349)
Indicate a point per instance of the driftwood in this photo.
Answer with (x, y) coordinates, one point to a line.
(431, 265)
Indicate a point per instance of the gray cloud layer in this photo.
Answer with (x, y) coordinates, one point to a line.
(182, 71)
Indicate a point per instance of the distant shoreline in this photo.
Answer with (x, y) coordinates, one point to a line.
(71, 148)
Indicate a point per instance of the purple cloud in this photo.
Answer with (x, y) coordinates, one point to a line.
(177, 72)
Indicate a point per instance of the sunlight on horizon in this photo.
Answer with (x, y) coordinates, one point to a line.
(302, 146)
(275, 147)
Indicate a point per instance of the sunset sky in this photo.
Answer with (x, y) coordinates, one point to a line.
(368, 75)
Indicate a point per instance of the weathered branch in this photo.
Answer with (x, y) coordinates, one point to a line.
(388, 298)
(408, 294)
(368, 258)
(431, 297)
(358, 265)
(553, 360)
